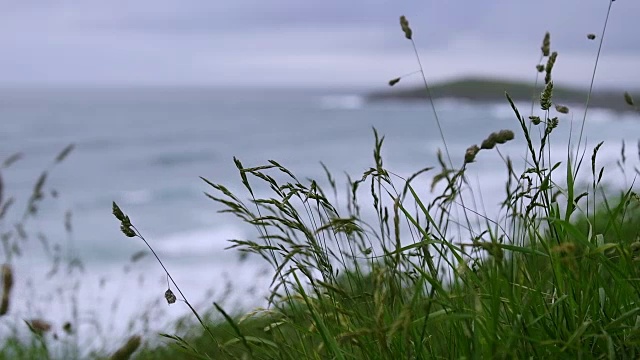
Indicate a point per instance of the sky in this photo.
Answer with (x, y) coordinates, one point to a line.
(336, 43)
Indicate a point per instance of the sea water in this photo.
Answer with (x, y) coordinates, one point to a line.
(146, 149)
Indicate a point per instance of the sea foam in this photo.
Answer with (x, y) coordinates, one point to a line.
(348, 102)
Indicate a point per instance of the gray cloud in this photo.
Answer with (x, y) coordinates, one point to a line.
(287, 42)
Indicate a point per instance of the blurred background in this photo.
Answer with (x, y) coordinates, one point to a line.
(287, 43)
(155, 94)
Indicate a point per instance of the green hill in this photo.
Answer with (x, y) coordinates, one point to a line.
(492, 90)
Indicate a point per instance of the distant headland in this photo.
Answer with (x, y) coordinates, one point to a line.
(492, 90)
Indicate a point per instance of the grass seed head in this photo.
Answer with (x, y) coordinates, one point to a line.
(591, 36)
(4, 304)
(169, 296)
(125, 352)
(546, 44)
(125, 222)
(7, 285)
(545, 97)
(540, 67)
(535, 120)
(470, 154)
(488, 143)
(39, 326)
(394, 81)
(495, 138)
(117, 212)
(550, 63)
(552, 124)
(7, 278)
(562, 109)
(127, 231)
(504, 135)
(628, 99)
(404, 24)
(67, 328)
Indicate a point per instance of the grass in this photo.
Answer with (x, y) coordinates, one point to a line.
(17, 237)
(391, 270)
(555, 275)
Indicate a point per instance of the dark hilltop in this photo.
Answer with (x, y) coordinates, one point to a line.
(493, 90)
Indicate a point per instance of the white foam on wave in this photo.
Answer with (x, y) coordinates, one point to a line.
(450, 104)
(112, 302)
(600, 115)
(199, 242)
(502, 110)
(594, 115)
(349, 102)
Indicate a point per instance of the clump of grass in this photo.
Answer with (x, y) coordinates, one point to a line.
(432, 276)
(17, 233)
(129, 230)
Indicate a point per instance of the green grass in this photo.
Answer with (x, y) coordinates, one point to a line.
(413, 268)
(549, 299)
(556, 275)
(17, 229)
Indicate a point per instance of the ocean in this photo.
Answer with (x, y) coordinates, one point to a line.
(147, 148)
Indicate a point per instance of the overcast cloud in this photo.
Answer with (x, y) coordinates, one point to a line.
(306, 43)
